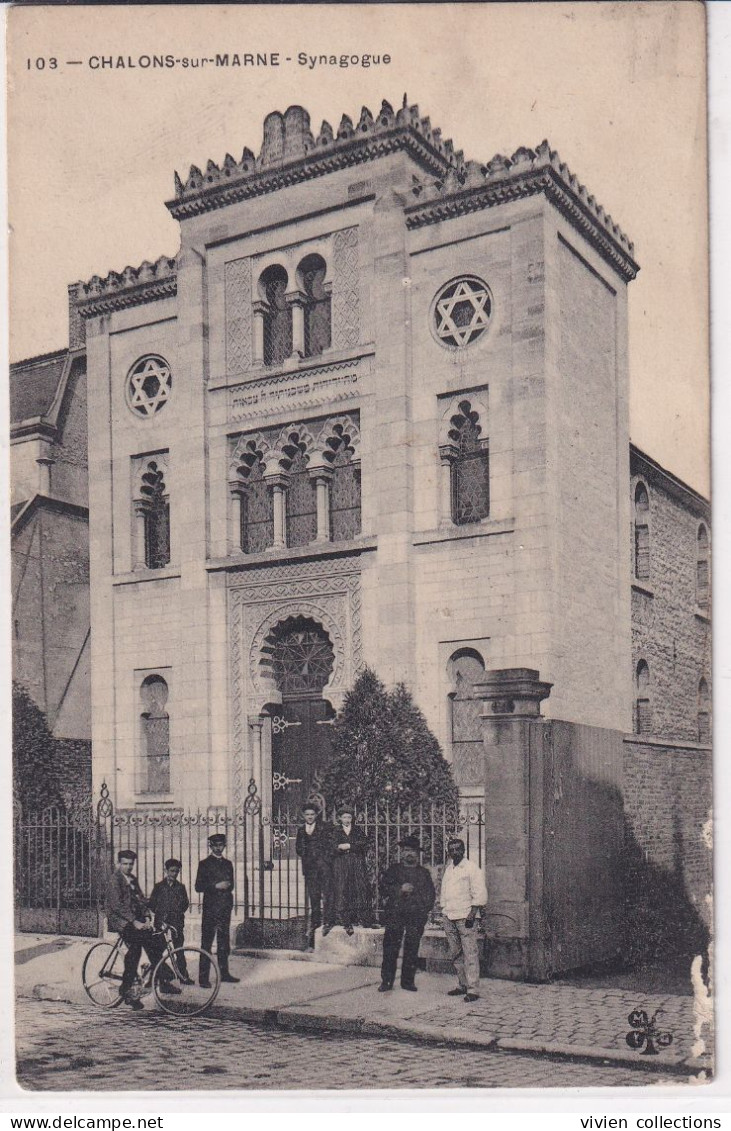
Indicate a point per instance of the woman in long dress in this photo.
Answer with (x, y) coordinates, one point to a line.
(350, 895)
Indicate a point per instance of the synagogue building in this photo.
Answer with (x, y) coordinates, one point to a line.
(375, 411)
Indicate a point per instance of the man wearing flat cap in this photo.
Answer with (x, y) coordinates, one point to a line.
(215, 880)
(409, 896)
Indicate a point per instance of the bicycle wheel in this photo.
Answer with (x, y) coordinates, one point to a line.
(191, 999)
(102, 975)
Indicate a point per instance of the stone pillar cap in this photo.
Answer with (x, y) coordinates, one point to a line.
(512, 691)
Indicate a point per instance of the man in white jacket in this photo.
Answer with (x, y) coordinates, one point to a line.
(463, 895)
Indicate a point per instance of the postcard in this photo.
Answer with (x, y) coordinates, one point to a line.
(361, 546)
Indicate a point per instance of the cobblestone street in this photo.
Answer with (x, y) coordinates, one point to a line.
(63, 1047)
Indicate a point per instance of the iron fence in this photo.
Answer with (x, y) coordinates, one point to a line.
(63, 861)
(57, 872)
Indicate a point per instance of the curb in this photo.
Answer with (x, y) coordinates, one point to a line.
(405, 1030)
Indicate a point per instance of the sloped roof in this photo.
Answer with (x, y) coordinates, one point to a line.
(34, 384)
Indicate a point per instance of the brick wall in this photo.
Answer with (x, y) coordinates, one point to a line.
(669, 632)
(667, 804)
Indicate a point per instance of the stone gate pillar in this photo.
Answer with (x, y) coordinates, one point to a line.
(512, 732)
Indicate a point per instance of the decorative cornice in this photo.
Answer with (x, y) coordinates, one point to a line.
(527, 173)
(290, 154)
(132, 287)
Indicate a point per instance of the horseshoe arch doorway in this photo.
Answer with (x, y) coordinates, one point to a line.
(300, 657)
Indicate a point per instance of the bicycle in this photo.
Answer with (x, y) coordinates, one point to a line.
(103, 967)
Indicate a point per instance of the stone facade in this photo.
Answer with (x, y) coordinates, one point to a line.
(671, 631)
(468, 304)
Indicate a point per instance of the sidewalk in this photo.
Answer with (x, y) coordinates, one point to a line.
(587, 1024)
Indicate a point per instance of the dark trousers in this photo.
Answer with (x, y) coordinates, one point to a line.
(315, 889)
(137, 941)
(215, 926)
(409, 931)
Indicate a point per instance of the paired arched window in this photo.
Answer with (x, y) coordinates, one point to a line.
(704, 713)
(642, 533)
(277, 316)
(296, 314)
(155, 506)
(317, 312)
(702, 570)
(643, 701)
(155, 723)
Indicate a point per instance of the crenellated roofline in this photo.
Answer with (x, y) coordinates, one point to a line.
(290, 154)
(131, 287)
(447, 187)
(527, 173)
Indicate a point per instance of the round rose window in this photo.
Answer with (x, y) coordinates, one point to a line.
(462, 312)
(149, 384)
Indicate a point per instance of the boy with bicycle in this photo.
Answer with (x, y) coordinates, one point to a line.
(169, 902)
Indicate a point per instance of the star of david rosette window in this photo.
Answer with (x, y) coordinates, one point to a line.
(461, 312)
(149, 385)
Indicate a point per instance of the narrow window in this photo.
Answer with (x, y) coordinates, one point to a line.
(301, 503)
(156, 517)
(317, 309)
(278, 317)
(155, 735)
(643, 709)
(642, 533)
(702, 568)
(344, 494)
(257, 512)
(704, 713)
(470, 475)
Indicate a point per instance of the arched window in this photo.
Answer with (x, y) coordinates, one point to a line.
(470, 472)
(702, 570)
(465, 668)
(156, 507)
(155, 735)
(257, 512)
(257, 508)
(278, 316)
(704, 713)
(301, 502)
(643, 703)
(642, 533)
(344, 489)
(317, 316)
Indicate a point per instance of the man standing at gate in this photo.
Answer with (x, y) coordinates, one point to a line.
(215, 880)
(409, 895)
(314, 849)
(463, 894)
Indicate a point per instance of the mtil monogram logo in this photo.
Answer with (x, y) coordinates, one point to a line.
(645, 1035)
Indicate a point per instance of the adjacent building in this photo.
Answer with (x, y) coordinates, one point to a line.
(50, 555)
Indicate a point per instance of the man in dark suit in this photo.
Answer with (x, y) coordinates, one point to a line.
(169, 902)
(409, 896)
(215, 880)
(314, 848)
